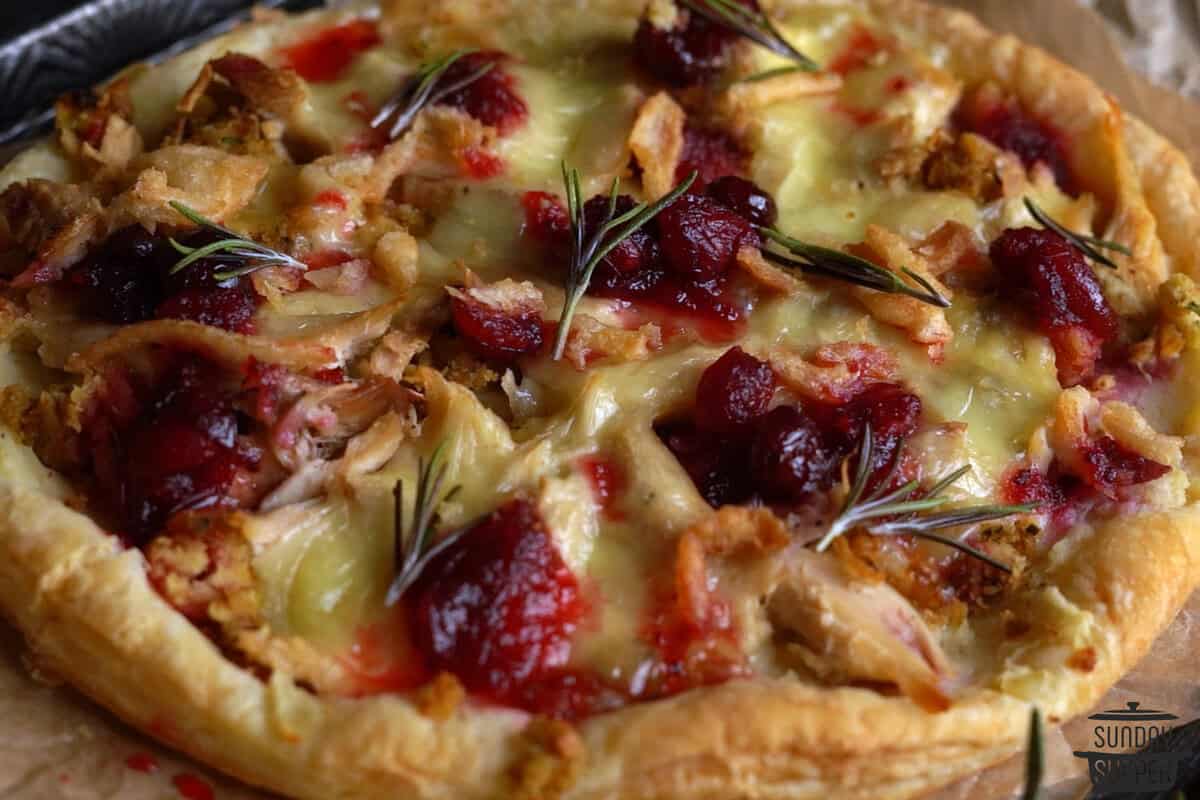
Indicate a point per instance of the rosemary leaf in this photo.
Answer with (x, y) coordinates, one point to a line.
(424, 89)
(836, 265)
(587, 253)
(1086, 244)
(1035, 758)
(415, 547)
(860, 508)
(241, 255)
(754, 25)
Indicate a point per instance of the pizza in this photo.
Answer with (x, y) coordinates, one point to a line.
(604, 398)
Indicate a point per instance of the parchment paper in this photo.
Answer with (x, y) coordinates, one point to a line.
(55, 745)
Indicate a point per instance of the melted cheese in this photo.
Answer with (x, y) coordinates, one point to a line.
(326, 566)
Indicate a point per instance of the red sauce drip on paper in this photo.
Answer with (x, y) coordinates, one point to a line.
(191, 787)
(142, 762)
(325, 55)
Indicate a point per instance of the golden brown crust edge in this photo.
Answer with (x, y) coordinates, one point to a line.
(86, 607)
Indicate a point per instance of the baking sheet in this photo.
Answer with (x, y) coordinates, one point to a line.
(57, 746)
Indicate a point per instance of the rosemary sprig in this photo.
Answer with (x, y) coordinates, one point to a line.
(835, 264)
(861, 508)
(587, 253)
(1088, 245)
(241, 254)
(425, 89)
(1035, 758)
(754, 25)
(415, 547)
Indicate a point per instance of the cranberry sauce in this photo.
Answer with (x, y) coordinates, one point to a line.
(678, 268)
(179, 444)
(1063, 295)
(127, 279)
(1003, 122)
(327, 54)
(498, 608)
(736, 448)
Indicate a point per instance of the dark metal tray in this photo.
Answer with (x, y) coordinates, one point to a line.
(52, 46)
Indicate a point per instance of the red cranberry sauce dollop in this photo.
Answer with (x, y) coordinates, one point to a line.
(713, 154)
(326, 54)
(736, 448)
(691, 52)
(1003, 122)
(678, 264)
(492, 99)
(180, 445)
(1066, 299)
(499, 607)
(127, 279)
(496, 334)
(1104, 468)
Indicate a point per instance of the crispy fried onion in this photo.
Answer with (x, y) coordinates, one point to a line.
(924, 324)
(656, 141)
(835, 372)
(1080, 419)
(591, 340)
(847, 630)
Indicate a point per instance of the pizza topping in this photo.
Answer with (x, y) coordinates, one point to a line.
(826, 262)
(1107, 465)
(690, 51)
(835, 372)
(471, 81)
(499, 322)
(184, 450)
(1088, 245)
(656, 142)
(327, 54)
(491, 98)
(789, 458)
(735, 449)
(700, 237)
(414, 546)
(735, 390)
(876, 507)
(712, 154)
(1001, 120)
(589, 248)
(745, 198)
(202, 567)
(691, 628)
(498, 607)
(844, 629)
(1067, 300)
(127, 280)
